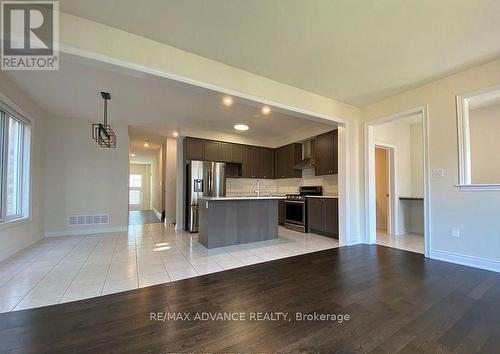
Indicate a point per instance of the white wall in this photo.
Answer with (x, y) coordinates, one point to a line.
(474, 213)
(484, 128)
(170, 180)
(397, 133)
(180, 185)
(16, 236)
(417, 160)
(83, 178)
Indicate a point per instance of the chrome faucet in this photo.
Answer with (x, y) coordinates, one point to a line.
(257, 188)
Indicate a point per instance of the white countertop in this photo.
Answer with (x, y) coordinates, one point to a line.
(323, 196)
(241, 198)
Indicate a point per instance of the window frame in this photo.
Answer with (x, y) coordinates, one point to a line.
(134, 188)
(25, 165)
(464, 148)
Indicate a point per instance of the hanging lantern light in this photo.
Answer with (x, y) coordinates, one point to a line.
(102, 133)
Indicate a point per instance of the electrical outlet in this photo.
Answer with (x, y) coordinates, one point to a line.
(455, 232)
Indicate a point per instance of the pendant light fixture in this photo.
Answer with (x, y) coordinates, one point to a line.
(102, 133)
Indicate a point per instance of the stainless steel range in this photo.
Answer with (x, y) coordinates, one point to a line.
(295, 207)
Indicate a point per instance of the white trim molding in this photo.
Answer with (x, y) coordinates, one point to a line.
(464, 148)
(81, 232)
(470, 261)
(479, 187)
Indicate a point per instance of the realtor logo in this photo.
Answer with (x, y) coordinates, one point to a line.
(30, 35)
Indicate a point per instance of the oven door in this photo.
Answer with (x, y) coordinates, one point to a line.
(295, 215)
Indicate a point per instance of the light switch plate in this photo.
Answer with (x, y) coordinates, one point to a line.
(437, 173)
(455, 232)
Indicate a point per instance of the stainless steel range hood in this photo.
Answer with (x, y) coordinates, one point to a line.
(307, 155)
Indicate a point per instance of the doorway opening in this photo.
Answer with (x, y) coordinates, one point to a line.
(146, 194)
(397, 181)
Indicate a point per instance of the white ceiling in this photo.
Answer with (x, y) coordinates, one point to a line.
(352, 50)
(155, 105)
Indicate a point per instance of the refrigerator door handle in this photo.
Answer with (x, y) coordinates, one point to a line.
(210, 183)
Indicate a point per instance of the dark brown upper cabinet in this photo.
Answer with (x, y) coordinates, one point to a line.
(252, 162)
(232, 153)
(286, 157)
(326, 153)
(323, 216)
(267, 170)
(256, 161)
(194, 149)
(213, 151)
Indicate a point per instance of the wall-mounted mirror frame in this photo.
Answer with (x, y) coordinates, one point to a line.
(464, 141)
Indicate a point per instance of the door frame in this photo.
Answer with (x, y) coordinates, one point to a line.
(392, 206)
(369, 153)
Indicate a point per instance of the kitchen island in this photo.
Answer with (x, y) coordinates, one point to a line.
(226, 221)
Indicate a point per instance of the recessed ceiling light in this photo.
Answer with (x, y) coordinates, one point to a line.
(241, 127)
(132, 154)
(175, 134)
(266, 110)
(146, 144)
(227, 101)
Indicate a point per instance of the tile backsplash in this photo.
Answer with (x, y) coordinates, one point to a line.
(247, 186)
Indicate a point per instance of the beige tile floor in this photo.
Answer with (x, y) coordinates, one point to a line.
(409, 242)
(63, 269)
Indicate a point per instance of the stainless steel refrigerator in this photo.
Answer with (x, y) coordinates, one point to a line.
(204, 179)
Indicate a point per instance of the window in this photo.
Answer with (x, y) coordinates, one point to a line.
(14, 166)
(135, 181)
(135, 191)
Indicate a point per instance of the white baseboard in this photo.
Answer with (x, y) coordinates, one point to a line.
(158, 214)
(470, 261)
(85, 232)
(169, 220)
(11, 251)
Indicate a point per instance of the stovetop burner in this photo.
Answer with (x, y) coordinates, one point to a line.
(305, 191)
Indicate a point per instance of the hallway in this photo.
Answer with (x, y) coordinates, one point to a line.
(141, 217)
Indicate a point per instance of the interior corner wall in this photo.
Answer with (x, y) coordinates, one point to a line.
(15, 237)
(157, 184)
(417, 160)
(170, 180)
(474, 213)
(180, 185)
(83, 178)
(397, 133)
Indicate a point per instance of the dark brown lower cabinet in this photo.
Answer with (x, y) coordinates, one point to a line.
(281, 212)
(323, 216)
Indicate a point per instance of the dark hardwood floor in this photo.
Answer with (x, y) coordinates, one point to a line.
(397, 301)
(141, 217)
